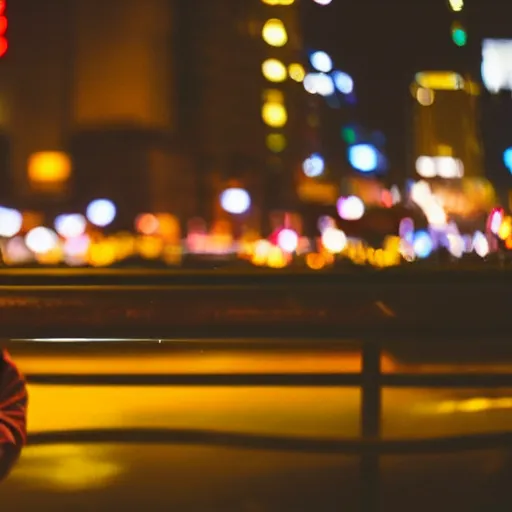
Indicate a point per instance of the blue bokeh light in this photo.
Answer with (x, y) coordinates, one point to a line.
(422, 244)
(363, 157)
(507, 159)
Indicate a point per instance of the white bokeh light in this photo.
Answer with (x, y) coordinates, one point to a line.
(319, 83)
(41, 240)
(322, 2)
(334, 240)
(101, 212)
(235, 200)
(321, 61)
(313, 166)
(288, 240)
(11, 221)
(350, 208)
(70, 225)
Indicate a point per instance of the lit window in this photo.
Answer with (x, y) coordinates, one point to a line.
(274, 114)
(274, 70)
(49, 167)
(273, 96)
(276, 142)
(296, 72)
(274, 33)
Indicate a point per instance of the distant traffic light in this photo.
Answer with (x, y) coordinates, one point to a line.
(459, 34)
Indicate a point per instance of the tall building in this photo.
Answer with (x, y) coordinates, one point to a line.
(240, 104)
(446, 140)
(133, 100)
(90, 94)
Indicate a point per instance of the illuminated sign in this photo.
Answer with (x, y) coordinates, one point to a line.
(497, 65)
(440, 80)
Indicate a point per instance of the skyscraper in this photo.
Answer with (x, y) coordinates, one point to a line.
(240, 106)
(446, 141)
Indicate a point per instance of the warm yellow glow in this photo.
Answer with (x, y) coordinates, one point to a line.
(276, 142)
(296, 72)
(456, 5)
(274, 70)
(505, 229)
(440, 80)
(315, 261)
(278, 2)
(273, 96)
(274, 33)
(49, 167)
(424, 96)
(274, 114)
(74, 468)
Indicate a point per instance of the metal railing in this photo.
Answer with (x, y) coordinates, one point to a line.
(407, 307)
(370, 445)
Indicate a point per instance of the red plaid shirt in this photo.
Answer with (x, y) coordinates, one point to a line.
(13, 409)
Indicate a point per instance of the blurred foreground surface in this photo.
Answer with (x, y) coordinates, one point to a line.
(209, 475)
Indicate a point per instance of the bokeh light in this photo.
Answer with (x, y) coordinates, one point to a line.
(101, 212)
(235, 200)
(319, 83)
(274, 114)
(11, 221)
(507, 159)
(274, 33)
(313, 166)
(350, 208)
(70, 225)
(363, 157)
(274, 70)
(276, 142)
(334, 240)
(41, 240)
(321, 61)
(288, 240)
(422, 244)
(343, 82)
(296, 72)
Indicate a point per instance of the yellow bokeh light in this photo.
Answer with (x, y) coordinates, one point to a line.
(274, 114)
(456, 5)
(274, 33)
(505, 229)
(274, 70)
(49, 167)
(440, 80)
(273, 96)
(296, 72)
(278, 2)
(276, 142)
(425, 96)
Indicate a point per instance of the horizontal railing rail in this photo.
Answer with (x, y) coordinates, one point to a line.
(289, 379)
(424, 446)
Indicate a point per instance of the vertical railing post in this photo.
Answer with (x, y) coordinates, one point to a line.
(370, 424)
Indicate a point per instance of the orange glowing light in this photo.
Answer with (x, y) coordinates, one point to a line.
(2, 7)
(147, 224)
(3, 46)
(3, 25)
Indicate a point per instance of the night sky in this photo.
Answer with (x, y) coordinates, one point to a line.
(382, 44)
